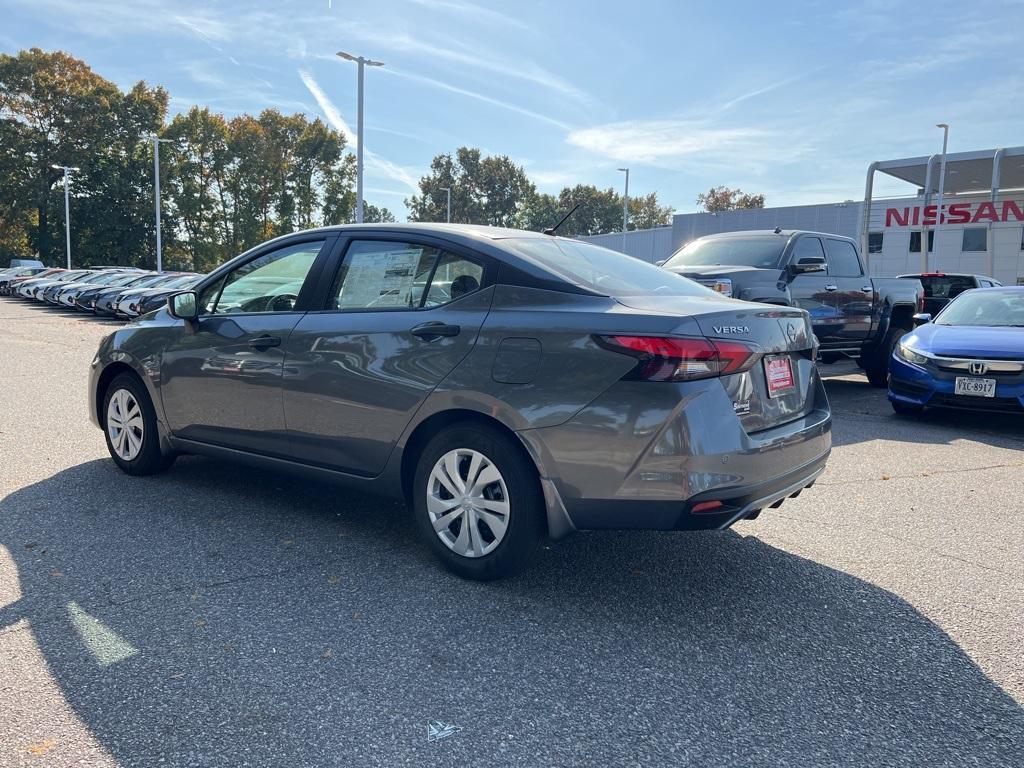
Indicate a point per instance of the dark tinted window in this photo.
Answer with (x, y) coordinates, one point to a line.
(842, 259)
(606, 272)
(875, 241)
(975, 239)
(915, 241)
(946, 286)
(761, 252)
(807, 248)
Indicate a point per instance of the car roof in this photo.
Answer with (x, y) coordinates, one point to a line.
(476, 231)
(781, 233)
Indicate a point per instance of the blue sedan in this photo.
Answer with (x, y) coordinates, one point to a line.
(970, 356)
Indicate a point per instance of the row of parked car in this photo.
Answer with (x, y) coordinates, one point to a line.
(106, 291)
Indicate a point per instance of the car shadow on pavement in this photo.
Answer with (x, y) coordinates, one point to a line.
(218, 615)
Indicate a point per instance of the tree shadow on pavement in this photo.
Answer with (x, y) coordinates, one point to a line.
(236, 617)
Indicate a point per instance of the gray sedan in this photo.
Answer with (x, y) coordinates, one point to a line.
(508, 385)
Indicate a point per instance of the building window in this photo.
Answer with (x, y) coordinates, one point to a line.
(1022, 239)
(975, 239)
(915, 241)
(875, 242)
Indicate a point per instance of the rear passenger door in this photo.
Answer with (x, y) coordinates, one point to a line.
(399, 315)
(851, 288)
(813, 291)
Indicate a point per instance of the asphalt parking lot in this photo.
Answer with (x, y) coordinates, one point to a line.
(216, 615)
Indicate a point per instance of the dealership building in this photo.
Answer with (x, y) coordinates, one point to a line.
(980, 230)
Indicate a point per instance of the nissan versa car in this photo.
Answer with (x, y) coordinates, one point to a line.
(507, 384)
(970, 356)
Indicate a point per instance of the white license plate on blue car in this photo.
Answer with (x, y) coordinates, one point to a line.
(975, 387)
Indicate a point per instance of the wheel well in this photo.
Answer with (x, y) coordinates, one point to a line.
(111, 372)
(902, 317)
(432, 425)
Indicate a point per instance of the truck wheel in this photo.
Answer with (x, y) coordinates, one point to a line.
(876, 360)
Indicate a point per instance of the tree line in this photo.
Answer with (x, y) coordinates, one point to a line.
(228, 184)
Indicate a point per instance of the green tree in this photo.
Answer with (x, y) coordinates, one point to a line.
(374, 215)
(485, 190)
(718, 199)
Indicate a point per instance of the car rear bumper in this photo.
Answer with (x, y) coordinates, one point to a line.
(634, 459)
(917, 387)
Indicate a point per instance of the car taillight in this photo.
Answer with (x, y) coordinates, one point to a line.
(672, 358)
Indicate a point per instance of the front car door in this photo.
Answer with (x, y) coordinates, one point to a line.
(221, 380)
(814, 291)
(398, 317)
(854, 292)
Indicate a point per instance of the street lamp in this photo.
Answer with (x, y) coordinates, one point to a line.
(448, 216)
(625, 209)
(156, 181)
(942, 186)
(67, 205)
(359, 129)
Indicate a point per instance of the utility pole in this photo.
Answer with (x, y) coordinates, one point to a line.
(942, 187)
(625, 209)
(156, 184)
(68, 169)
(359, 128)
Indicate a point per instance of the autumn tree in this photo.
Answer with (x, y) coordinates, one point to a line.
(718, 199)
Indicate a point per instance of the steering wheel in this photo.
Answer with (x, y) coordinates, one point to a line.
(282, 302)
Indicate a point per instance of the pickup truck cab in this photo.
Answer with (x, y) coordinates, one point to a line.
(853, 315)
(940, 288)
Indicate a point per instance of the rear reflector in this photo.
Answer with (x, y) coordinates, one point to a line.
(706, 506)
(672, 358)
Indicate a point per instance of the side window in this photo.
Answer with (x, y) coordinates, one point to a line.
(268, 283)
(455, 277)
(807, 248)
(842, 259)
(875, 242)
(975, 239)
(378, 274)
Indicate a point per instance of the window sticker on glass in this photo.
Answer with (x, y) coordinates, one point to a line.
(384, 276)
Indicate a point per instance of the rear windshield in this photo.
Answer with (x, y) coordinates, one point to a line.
(760, 252)
(603, 271)
(989, 308)
(947, 286)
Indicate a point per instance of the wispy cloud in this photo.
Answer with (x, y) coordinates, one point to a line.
(334, 117)
(652, 141)
(434, 83)
(474, 12)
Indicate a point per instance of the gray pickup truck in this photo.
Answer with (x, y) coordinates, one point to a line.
(854, 315)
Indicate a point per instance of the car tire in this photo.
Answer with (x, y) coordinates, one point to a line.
(876, 360)
(129, 426)
(902, 409)
(462, 525)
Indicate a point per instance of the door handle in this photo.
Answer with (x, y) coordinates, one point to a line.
(831, 287)
(435, 329)
(868, 289)
(265, 342)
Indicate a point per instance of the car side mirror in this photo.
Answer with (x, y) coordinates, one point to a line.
(921, 318)
(184, 305)
(660, 263)
(808, 264)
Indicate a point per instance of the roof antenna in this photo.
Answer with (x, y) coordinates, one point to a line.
(552, 230)
(778, 230)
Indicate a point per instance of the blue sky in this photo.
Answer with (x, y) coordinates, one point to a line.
(793, 100)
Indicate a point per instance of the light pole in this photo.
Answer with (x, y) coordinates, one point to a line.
(67, 205)
(942, 186)
(156, 194)
(359, 129)
(448, 216)
(625, 209)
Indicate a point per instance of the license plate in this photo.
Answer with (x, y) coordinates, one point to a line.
(975, 387)
(778, 372)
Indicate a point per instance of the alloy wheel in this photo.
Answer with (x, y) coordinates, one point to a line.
(124, 424)
(467, 502)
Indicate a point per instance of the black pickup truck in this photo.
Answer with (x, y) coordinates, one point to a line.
(853, 315)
